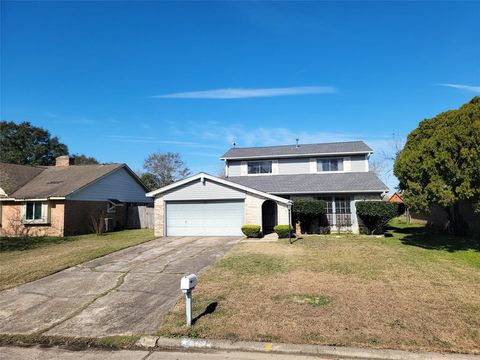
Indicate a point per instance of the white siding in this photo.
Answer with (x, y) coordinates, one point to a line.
(234, 168)
(359, 163)
(118, 185)
(289, 166)
(206, 190)
(293, 166)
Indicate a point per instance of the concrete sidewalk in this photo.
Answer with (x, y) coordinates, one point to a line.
(337, 352)
(42, 353)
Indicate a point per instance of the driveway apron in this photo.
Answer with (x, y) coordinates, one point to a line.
(123, 293)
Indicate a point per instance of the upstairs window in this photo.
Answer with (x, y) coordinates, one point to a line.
(33, 211)
(260, 167)
(329, 165)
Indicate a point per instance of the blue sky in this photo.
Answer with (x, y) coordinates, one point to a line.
(119, 80)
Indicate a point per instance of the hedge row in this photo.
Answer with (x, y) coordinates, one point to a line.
(376, 214)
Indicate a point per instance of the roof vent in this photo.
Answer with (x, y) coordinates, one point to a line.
(297, 145)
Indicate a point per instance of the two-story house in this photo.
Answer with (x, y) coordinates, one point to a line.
(260, 185)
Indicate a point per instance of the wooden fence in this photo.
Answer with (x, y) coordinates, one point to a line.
(140, 217)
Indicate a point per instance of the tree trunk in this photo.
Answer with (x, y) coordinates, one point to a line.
(456, 224)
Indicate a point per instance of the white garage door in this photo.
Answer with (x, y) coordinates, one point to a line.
(205, 218)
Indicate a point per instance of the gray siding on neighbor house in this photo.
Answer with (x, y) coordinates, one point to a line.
(207, 190)
(358, 163)
(118, 184)
(293, 166)
(234, 168)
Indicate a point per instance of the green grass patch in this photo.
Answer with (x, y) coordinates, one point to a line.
(253, 264)
(304, 299)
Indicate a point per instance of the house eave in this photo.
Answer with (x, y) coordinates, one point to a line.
(328, 192)
(32, 198)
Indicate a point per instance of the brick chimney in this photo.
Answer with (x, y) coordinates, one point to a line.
(63, 161)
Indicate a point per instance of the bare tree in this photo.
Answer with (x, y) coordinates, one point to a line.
(221, 171)
(382, 163)
(97, 222)
(16, 227)
(165, 168)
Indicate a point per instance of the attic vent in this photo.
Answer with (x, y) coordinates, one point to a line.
(54, 182)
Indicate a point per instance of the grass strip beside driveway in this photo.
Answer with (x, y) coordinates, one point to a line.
(413, 290)
(25, 260)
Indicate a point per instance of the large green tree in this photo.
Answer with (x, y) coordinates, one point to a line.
(81, 159)
(440, 163)
(162, 169)
(28, 145)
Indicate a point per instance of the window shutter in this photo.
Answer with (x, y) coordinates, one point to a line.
(243, 168)
(46, 212)
(313, 165)
(347, 164)
(275, 167)
(23, 210)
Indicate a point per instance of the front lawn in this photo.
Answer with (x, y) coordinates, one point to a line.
(413, 290)
(24, 260)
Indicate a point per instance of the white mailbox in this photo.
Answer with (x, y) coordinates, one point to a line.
(188, 283)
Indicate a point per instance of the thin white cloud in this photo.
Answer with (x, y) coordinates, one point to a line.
(239, 93)
(153, 140)
(475, 89)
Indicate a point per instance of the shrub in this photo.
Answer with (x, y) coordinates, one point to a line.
(305, 211)
(376, 214)
(251, 231)
(282, 230)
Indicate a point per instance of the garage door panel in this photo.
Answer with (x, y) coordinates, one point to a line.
(205, 218)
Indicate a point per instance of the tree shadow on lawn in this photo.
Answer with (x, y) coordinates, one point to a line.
(428, 238)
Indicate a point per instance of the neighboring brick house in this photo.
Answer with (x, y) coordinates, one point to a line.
(60, 200)
(395, 197)
(260, 185)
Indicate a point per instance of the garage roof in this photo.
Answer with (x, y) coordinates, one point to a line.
(202, 176)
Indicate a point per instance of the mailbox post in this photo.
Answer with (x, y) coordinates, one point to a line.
(289, 207)
(187, 284)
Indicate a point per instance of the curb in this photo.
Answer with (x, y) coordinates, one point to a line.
(152, 342)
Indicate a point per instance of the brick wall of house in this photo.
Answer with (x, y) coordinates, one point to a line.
(159, 216)
(78, 216)
(12, 222)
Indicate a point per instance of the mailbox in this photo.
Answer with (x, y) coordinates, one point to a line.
(188, 283)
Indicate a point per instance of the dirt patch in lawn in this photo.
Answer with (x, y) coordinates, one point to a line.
(351, 290)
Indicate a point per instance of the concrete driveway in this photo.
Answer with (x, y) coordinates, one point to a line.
(123, 293)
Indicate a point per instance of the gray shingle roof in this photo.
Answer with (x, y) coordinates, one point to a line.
(313, 183)
(302, 149)
(13, 176)
(62, 181)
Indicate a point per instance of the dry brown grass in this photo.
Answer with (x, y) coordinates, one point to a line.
(378, 292)
(24, 260)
